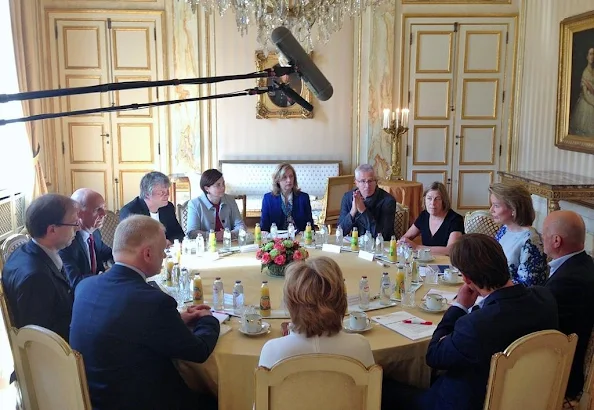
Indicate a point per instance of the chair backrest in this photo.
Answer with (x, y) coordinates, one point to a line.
(6, 316)
(182, 216)
(401, 221)
(532, 373)
(304, 382)
(242, 199)
(480, 222)
(586, 402)
(110, 223)
(335, 190)
(11, 244)
(51, 375)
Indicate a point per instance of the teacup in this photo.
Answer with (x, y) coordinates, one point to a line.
(434, 301)
(424, 254)
(252, 323)
(358, 321)
(451, 275)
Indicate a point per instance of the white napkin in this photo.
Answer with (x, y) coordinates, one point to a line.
(249, 248)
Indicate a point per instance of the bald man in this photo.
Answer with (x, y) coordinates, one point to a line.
(87, 255)
(571, 280)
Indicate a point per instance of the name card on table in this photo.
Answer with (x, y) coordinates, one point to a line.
(368, 256)
(328, 247)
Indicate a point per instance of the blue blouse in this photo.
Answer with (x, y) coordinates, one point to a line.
(525, 255)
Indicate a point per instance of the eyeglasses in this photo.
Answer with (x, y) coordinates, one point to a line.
(366, 181)
(161, 194)
(65, 224)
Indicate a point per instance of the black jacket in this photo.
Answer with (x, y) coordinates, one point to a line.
(173, 229)
(76, 263)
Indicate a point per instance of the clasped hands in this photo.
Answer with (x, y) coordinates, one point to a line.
(195, 312)
(358, 204)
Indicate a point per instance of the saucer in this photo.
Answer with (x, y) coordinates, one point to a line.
(265, 329)
(346, 327)
(442, 281)
(424, 307)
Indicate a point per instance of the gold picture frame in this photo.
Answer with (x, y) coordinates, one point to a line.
(575, 87)
(456, 1)
(276, 105)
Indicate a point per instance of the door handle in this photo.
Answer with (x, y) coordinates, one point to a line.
(106, 135)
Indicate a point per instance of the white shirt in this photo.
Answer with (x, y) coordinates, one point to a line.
(556, 263)
(155, 216)
(54, 255)
(135, 269)
(352, 345)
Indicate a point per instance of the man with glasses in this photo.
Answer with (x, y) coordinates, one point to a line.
(153, 201)
(87, 254)
(367, 207)
(36, 287)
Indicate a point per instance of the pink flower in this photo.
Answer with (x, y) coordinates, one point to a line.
(266, 258)
(259, 253)
(279, 247)
(280, 260)
(297, 255)
(296, 245)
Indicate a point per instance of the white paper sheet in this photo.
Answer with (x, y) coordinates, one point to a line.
(394, 321)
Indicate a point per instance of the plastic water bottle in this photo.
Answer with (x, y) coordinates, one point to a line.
(338, 236)
(237, 297)
(364, 293)
(227, 239)
(273, 231)
(200, 244)
(241, 237)
(184, 285)
(369, 244)
(291, 230)
(385, 289)
(218, 294)
(379, 245)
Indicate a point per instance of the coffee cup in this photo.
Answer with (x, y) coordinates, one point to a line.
(252, 323)
(434, 301)
(358, 321)
(424, 254)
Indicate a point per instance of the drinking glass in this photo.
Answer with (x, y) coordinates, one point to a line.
(430, 276)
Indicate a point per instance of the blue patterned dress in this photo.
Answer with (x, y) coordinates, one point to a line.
(525, 255)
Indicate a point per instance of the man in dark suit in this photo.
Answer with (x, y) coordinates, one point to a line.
(130, 333)
(36, 287)
(87, 254)
(465, 339)
(153, 201)
(571, 280)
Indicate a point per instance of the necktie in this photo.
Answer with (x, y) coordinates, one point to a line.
(91, 243)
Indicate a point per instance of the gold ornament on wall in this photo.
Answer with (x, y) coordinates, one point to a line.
(456, 1)
(275, 104)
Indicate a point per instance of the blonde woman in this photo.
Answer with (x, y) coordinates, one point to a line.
(511, 206)
(286, 203)
(315, 299)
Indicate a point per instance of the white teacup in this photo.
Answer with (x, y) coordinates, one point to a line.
(424, 254)
(434, 301)
(252, 323)
(451, 275)
(358, 321)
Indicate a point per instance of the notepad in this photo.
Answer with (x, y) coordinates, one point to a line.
(395, 321)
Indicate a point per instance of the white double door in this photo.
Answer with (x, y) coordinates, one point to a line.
(108, 152)
(458, 74)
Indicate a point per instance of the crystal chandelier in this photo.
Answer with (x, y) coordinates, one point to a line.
(310, 21)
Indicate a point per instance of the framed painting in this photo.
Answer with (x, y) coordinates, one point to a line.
(575, 92)
(275, 104)
(456, 1)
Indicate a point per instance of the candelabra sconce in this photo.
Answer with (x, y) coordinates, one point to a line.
(395, 128)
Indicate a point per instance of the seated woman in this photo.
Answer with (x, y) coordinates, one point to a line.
(315, 298)
(438, 225)
(511, 206)
(286, 203)
(213, 209)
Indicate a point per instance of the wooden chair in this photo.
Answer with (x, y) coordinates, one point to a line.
(480, 222)
(532, 373)
(110, 223)
(305, 382)
(51, 375)
(401, 221)
(182, 216)
(335, 190)
(585, 402)
(243, 208)
(11, 244)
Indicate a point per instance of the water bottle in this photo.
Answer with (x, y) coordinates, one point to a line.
(241, 237)
(218, 294)
(184, 285)
(291, 230)
(385, 289)
(338, 236)
(363, 293)
(237, 297)
(186, 246)
(273, 231)
(416, 277)
(199, 244)
(368, 242)
(323, 235)
(379, 245)
(227, 239)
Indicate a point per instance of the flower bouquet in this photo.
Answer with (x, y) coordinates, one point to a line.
(277, 254)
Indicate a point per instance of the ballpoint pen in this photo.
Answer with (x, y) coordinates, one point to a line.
(417, 322)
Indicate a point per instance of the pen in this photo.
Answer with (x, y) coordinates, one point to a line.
(380, 263)
(417, 322)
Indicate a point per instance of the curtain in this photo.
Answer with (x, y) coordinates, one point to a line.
(23, 15)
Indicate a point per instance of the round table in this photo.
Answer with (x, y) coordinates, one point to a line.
(228, 372)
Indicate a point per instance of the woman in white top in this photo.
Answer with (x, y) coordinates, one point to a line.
(314, 295)
(511, 206)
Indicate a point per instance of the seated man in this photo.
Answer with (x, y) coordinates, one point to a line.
(153, 201)
(36, 287)
(465, 340)
(367, 208)
(571, 280)
(130, 333)
(87, 254)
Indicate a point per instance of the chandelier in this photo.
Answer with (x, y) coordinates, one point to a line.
(310, 21)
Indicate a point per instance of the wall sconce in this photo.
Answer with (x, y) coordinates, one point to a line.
(396, 127)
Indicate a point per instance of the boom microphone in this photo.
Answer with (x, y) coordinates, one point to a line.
(312, 76)
(292, 94)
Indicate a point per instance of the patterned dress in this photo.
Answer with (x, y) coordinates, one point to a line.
(525, 255)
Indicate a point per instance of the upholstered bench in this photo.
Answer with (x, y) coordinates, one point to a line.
(254, 179)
